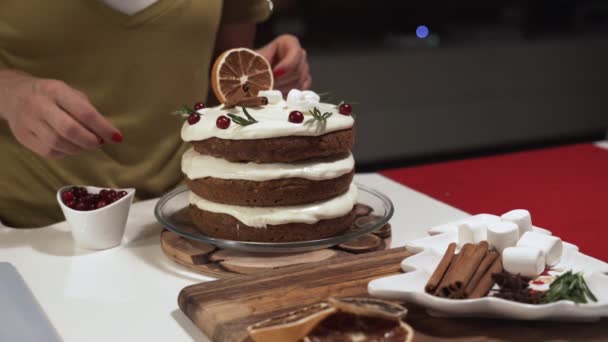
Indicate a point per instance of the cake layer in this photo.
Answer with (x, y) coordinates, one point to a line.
(272, 122)
(271, 193)
(278, 150)
(196, 165)
(263, 216)
(225, 226)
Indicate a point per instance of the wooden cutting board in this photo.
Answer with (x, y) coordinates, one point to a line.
(223, 309)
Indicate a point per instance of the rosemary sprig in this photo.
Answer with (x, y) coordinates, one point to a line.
(569, 286)
(241, 120)
(248, 116)
(317, 116)
(184, 111)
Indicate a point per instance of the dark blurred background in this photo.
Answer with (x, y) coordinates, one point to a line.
(435, 80)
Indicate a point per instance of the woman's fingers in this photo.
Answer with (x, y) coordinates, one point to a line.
(53, 141)
(32, 141)
(300, 79)
(51, 118)
(65, 126)
(83, 112)
(290, 63)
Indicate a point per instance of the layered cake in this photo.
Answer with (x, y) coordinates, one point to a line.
(270, 169)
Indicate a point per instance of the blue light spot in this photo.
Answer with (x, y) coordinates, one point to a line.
(422, 31)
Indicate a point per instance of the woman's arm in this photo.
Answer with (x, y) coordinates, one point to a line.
(234, 35)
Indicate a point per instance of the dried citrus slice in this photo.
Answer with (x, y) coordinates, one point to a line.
(339, 319)
(239, 73)
(290, 326)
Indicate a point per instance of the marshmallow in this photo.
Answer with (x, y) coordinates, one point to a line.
(472, 231)
(502, 235)
(486, 218)
(303, 100)
(465, 234)
(527, 261)
(521, 218)
(273, 96)
(551, 246)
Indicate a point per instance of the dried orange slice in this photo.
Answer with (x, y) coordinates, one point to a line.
(339, 319)
(239, 73)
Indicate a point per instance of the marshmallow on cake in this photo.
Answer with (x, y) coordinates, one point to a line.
(274, 180)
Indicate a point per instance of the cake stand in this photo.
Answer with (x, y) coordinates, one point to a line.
(171, 212)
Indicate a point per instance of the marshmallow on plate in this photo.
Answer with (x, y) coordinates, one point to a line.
(471, 231)
(502, 235)
(521, 217)
(550, 246)
(527, 261)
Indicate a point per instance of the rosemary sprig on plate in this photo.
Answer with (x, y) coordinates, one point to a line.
(569, 286)
(239, 120)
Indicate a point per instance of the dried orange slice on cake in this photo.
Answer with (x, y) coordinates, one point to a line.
(239, 73)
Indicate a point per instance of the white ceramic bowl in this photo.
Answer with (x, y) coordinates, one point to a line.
(101, 228)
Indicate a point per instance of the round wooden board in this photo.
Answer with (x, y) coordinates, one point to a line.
(215, 262)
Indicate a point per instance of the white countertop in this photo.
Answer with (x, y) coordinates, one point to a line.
(129, 293)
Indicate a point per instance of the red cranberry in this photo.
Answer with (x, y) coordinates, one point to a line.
(80, 206)
(345, 109)
(193, 118)
(67, 196)
(78, 191)
(70, 204)
(296, 117)
(222, 122)
(199, 106)
(122, 194)
(101, 204)
(103, 193)
(92, 199)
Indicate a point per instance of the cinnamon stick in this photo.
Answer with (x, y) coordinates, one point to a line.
(458, 276)
(485, 264)
(442, 289)
(486, 282)
(441, 269)
(247, 102)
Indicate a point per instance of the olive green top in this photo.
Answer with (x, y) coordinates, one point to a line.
(135, 69)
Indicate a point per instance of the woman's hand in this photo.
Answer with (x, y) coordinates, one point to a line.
(51, 118)
(289, 63)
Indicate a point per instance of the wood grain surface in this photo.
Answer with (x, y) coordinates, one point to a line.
(220, 263)
(223, 309)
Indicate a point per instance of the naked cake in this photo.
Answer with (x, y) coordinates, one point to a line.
(267, 169)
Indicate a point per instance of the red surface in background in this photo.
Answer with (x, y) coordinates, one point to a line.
(564, 188)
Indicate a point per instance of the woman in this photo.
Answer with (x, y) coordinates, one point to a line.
(86, 88)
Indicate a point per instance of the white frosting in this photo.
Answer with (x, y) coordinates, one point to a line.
(196, 165)
(261, 217)
(272, 123)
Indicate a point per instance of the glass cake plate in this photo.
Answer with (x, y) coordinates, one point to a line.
(172, 212)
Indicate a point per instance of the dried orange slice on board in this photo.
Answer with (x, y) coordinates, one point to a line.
(239, 73)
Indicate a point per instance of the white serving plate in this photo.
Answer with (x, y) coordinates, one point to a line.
(409, 286)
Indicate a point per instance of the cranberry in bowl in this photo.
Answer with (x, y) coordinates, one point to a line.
(96, 216)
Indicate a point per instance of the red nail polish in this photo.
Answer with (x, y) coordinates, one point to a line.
(117, 137)
(278, 72)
